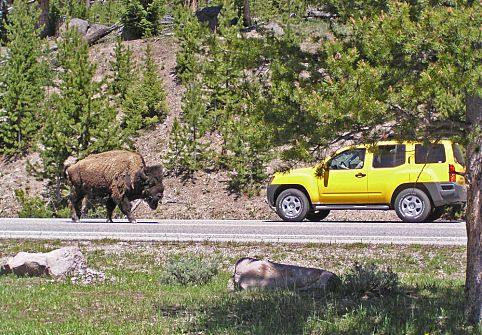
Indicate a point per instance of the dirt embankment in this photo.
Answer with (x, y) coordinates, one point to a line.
(204, 197)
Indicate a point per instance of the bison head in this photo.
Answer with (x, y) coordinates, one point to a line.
(153, 188)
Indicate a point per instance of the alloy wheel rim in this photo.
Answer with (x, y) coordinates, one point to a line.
(412, 206)
(291, 206)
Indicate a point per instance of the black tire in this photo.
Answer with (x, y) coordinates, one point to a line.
(436, 214)
(292, 205)
(318, 215)
(413, 205)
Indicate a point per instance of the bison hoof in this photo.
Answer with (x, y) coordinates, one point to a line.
(133, 221)
(76, 220)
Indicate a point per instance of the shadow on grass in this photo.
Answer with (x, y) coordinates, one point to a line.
(420, 310)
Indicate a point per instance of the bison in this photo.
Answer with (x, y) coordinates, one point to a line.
(119, 175)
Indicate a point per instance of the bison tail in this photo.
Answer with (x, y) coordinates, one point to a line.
(69, 162)
(66, 172)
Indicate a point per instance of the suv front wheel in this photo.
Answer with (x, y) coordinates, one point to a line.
(413, 205)
(292, 205)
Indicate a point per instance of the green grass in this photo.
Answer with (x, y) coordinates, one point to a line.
(133, 301)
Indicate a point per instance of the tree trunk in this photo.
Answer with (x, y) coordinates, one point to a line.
(473, 281)
(192, 4)
(247, 14)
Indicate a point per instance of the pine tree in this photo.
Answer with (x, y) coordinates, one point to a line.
(22, 79)
(247, 144)
(79, 119)
(145, 103)
(153, 88)
(3, 21)
(123, 70)
(141, 18)
(187, 151)
(191, 35)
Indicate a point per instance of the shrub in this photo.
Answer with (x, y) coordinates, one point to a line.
(36, 207)
(370, 279)
(188, 270)
(141, 17)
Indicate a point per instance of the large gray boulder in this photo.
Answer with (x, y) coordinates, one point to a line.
(91, 33)
(251, 273)
(58, 263)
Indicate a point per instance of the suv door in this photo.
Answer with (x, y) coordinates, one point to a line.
(345, 179)
(388, 170)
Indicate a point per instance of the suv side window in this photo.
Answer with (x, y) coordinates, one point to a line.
(429, 153)
(388, 156)
(349, 159)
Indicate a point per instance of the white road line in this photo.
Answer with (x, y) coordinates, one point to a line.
(230, 237)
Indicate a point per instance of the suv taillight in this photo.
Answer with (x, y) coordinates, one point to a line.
(452, 174)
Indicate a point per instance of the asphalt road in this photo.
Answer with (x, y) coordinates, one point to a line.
(440, 233)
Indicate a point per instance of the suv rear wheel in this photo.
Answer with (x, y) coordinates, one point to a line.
(292, 205)
(413, 205)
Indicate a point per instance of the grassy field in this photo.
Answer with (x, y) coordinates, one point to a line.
(132, 300)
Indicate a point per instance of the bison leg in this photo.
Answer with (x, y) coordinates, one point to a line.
(110, 205)
(125, 207)
(76, 198)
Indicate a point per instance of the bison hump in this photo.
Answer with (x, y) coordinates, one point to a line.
(106, 170)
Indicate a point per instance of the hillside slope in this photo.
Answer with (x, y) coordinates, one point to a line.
(203, 197)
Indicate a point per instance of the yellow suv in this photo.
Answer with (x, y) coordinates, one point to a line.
(417, 180)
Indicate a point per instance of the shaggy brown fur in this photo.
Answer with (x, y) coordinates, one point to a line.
(121, 175)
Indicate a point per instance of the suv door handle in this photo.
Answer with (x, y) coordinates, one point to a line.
(360, 175)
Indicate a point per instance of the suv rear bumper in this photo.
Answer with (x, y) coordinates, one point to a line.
(446, 193)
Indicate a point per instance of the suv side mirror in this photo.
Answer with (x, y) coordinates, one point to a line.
(322, 169)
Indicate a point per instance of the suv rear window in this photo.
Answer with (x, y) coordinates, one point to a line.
(429, 153)
(387, 156)
(458, 155)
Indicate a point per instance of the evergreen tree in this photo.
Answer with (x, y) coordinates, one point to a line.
(123, 69)
(3, 21)
(417, 69)
(22, 79)
(145, 103)
(141, 17)
(247, 153)
(191, 35)
(79, 119)
(187, 151)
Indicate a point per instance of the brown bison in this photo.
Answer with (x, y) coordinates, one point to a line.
(119, 175)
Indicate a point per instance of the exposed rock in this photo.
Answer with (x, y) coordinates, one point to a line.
(90, 33)
(251, 273)
(209, 15)
(81, 25)
(58, 263)
(317, 13)
(273, 28)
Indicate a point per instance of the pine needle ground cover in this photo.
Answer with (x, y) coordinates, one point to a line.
(134, 299)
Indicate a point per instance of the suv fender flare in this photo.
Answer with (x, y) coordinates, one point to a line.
(420, 186)
(274, 191)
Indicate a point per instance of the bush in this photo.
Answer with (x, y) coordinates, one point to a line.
(36, 207)
(141, 18)
(369, 279)
(188, 270)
